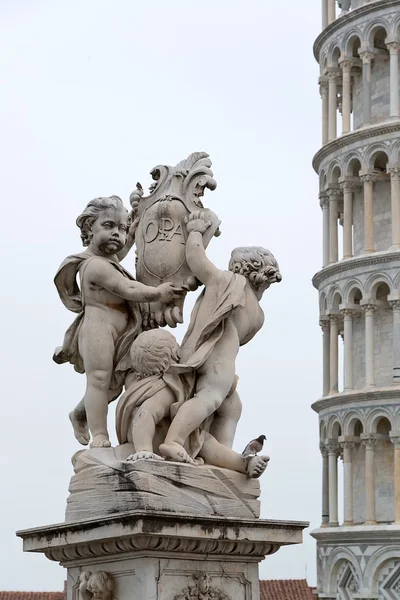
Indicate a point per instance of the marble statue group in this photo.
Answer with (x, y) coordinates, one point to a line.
(175, 403)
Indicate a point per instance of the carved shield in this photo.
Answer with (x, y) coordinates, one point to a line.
(161, 232)
(162, 243)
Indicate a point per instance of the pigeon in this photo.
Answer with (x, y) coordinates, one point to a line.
(255, 446)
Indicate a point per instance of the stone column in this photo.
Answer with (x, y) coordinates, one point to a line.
(369, 442)
(324, 92)
(348, 481)
(324, 203)
(394, 48)
(333, 355)
(366, 58)
(396, 441)
(324, 10)
(333, 449)
(369, 310)
(325, 326)
(331, 11)
(348, 315)
(395, 304)
(325, 486)
(394, 173)
(345, 6)
(346, 66)
(368, 180)
(348, 187)
(332, 87)
(333, 195)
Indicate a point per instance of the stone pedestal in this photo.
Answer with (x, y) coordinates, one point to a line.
(150, 555)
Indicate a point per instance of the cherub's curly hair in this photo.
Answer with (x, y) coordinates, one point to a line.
(153, 352)
(91, 213)
(257, 264)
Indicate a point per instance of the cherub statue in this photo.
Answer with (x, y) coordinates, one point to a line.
(149, 400)
(226, 316)
(109, 319)
(150, 392)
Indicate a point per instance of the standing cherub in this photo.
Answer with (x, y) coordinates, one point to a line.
(98, 341)
(226, 316)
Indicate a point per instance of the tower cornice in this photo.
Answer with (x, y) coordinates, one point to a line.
(353, 137)
(343, 399)
(354, 262)
(349, 18)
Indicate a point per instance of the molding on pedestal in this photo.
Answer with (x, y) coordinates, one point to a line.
(162, 535)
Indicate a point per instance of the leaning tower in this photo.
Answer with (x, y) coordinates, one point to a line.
(358, 542)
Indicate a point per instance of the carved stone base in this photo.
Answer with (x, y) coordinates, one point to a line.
(154, 556)
(105, 484)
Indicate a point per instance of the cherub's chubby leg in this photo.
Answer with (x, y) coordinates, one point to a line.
(219, 455)
(97, 346)
(214, 382)
(226, 419)
(144, 424)
(78, 418)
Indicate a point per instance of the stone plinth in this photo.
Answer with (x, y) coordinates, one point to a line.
(105, 484)
(155, 556)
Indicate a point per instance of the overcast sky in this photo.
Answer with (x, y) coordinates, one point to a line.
(94, 94)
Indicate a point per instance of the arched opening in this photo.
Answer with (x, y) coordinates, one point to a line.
(336, 431)
(353, 168)
(322, 181)
(336, 302)
(322, 432)
(378, 37)
(379, 163)
(355, 427)
(355, 296)
(383, 426)
(380, 75)
(381, 200)
(335, 55)
(352, 47)
(381, 292)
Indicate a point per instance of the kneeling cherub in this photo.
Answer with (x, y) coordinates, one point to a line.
(144, 410)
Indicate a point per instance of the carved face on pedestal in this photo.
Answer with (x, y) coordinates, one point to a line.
(101, 586)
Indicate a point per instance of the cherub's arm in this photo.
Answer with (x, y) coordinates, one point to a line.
(101, 273)
(196, 256)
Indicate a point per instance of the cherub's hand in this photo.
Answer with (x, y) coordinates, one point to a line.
(196, 222)
(168, 292)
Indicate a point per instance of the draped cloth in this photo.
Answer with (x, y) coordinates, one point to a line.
(72, 297)
(201, 338)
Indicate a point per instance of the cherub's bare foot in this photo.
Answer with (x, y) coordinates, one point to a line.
(81, 429)
(256, 466)
(143, 454)
(176, 452)
(100, 441)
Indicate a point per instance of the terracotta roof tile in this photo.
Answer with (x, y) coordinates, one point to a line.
(271, 589)
(285, 589)
(32, 596)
